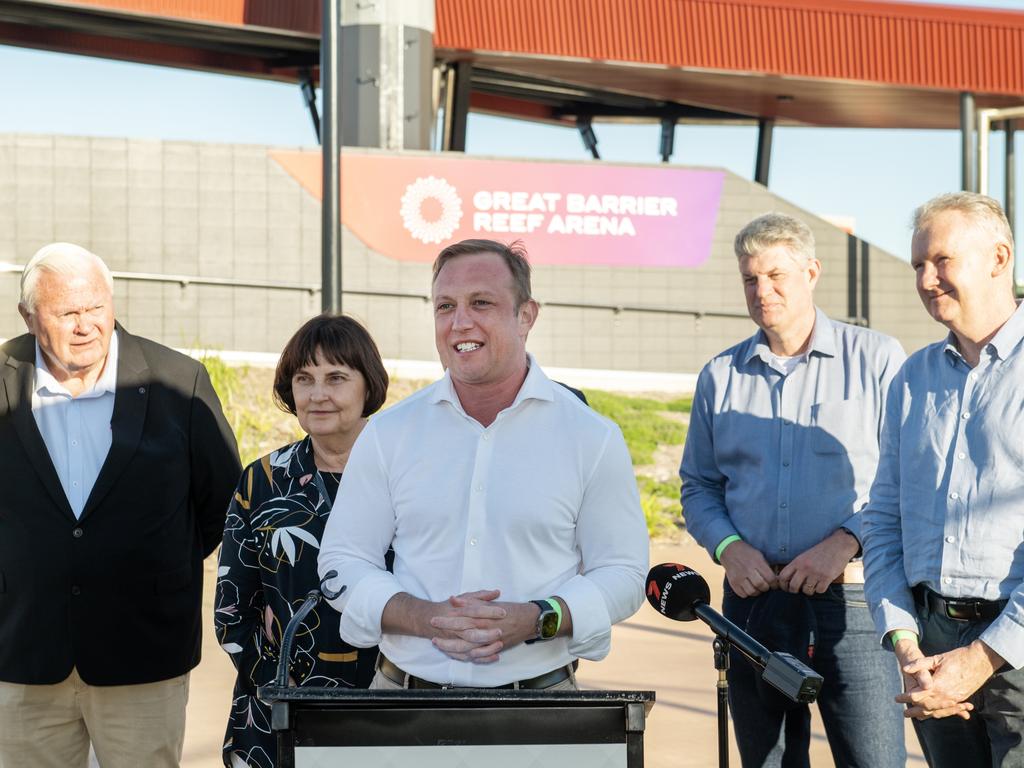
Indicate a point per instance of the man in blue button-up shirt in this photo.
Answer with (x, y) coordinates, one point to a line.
(781, 450)
(944, 527)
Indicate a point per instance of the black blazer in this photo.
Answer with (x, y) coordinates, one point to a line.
(116, 594)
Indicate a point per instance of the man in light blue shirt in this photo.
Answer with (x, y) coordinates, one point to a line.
(944, 527)
(781, 450)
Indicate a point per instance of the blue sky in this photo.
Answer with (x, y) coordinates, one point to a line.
(874, 176)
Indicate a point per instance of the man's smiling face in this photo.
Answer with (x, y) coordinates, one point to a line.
(479, 331)
(954, 261)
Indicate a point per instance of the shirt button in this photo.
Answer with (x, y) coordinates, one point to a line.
(77, 533)
(782, 549)
(783, 505)
(485, 436)
(961, 455)
(74, 483)
(479, 488)
(965, 415)
(950, 539)
(74, 442)
(785, 463)
(948, 580)
(954, 495)
(75, 590)
(472, 542)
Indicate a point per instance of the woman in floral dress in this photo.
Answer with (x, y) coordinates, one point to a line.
(331, 377)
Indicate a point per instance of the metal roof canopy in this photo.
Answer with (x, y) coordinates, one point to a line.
(830, 63)
(841, 63)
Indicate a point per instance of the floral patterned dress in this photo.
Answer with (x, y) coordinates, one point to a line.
(267, 566)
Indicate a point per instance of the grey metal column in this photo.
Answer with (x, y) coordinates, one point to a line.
(967, 127)
(763, 162)
(1010, 176)
(387, 49)
(330, 148)
(668, 138)
(457, 89)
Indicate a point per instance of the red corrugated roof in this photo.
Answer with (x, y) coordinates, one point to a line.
(926, 46)
(292, 15)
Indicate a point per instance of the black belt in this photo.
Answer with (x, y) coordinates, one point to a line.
(959, 608)
(395, 674)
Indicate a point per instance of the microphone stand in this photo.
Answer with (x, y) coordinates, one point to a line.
(721, 647)
(312, 599)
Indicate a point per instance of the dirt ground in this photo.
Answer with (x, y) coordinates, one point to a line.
(649, 653)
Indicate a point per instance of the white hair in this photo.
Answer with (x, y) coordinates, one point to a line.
(980, 210)
(773, 229)
(63, 259)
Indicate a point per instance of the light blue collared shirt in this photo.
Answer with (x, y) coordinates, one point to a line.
(785, 460)
(76, 430)
(947, 507)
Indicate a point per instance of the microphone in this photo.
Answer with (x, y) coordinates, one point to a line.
(681, 594)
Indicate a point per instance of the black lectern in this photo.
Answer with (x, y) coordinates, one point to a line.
(320, 727)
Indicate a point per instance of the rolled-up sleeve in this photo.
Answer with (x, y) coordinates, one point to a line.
(1005, 635)
(886, 588)
(612, 537)
(356, 539)
(703, 484)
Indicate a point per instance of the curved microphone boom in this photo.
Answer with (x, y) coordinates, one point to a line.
(681, 594)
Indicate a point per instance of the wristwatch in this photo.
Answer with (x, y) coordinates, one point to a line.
(547, 623)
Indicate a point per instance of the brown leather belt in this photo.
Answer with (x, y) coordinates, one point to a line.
(853, 573)
(398, 676)
(959, 608)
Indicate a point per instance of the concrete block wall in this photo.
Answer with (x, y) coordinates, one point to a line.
(230, 211)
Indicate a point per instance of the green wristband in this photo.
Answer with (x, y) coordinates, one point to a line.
(557, 608)
(723, 544)
(902, 634)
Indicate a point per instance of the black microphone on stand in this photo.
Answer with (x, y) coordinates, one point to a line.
(680, 593)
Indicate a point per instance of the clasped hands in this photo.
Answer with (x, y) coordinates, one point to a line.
(939, 686)
(475, 627)
(811, 572)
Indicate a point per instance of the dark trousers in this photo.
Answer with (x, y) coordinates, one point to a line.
(994, 736)
(863, 723)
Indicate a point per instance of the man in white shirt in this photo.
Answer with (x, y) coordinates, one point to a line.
(511, 506)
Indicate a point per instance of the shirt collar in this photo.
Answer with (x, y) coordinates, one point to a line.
(1003, 343)
(46, 383)
(823, 340)
(536, 386)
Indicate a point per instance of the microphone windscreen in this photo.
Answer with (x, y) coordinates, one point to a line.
(674, 590)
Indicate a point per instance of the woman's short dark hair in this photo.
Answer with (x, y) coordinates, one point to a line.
(340, 340)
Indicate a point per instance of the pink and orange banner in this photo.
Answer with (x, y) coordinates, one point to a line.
(408, 207)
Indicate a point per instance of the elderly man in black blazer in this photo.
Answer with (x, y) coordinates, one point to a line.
(117, 467)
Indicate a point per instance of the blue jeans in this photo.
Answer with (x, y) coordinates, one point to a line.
(863, 723)
(994, 736)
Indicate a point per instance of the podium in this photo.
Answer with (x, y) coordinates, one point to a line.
(321, 727)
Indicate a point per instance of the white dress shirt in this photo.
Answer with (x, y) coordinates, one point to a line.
(542, 502)
(76, 430)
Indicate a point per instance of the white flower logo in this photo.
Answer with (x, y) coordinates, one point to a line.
(444, 193)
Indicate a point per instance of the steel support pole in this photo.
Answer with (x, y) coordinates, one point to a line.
(763, 162)
(967, 120)
(458, 85)
(330, 147)
(1010, 175)
(668, 138)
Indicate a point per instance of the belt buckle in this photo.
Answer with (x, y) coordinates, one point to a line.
(962, 610)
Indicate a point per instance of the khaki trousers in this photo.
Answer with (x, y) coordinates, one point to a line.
(50, 726)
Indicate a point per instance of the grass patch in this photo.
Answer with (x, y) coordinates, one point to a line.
(642, 421)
